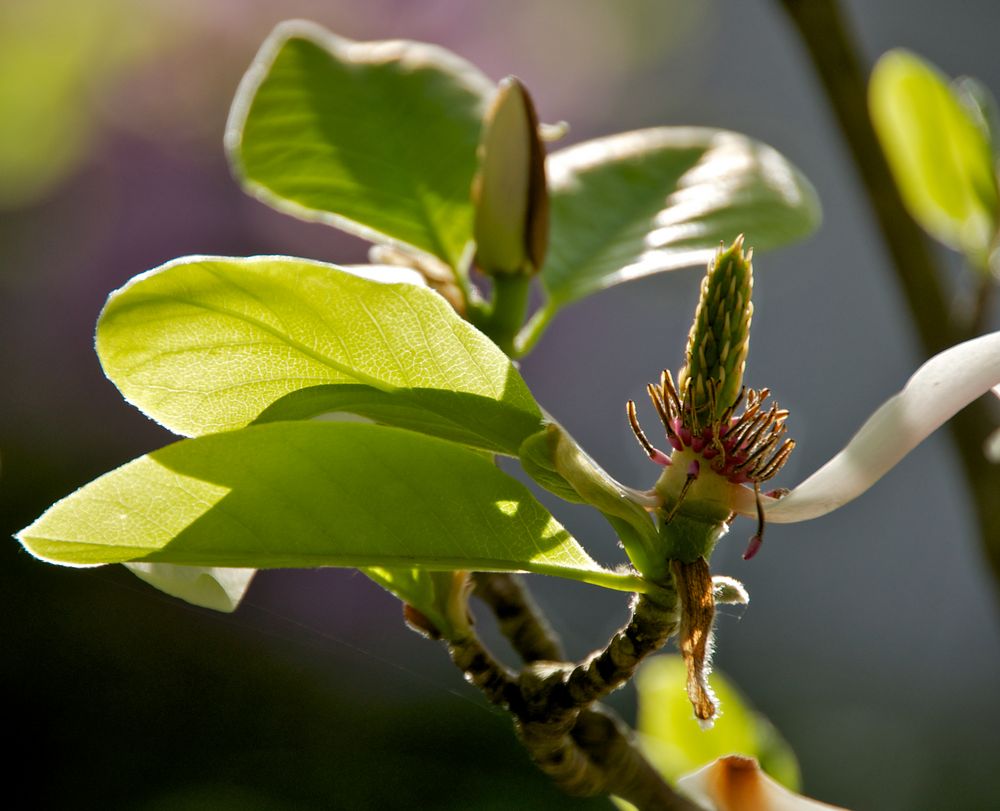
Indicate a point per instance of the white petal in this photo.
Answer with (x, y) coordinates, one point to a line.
(387, 273)
(937, 391)
(218, 588)
(736, 783)
(993, 443)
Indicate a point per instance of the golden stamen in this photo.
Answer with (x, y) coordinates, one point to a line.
(633, 421)
(777, 462)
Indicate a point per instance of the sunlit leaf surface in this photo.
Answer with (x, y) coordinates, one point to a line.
(376, 138)
(643, 202)
(303, 494)
(206, 344)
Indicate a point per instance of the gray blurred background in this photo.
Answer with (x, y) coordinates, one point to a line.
(871, 640)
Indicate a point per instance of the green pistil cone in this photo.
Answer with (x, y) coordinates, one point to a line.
(720, 336)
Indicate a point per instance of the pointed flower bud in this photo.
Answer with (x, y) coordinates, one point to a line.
(510, 193)
(720, 336)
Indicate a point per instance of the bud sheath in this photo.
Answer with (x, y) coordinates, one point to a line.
(509, 192)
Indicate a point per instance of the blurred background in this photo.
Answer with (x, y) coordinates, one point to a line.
(872, 639)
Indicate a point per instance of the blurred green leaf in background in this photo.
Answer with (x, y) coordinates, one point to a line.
(940, 152)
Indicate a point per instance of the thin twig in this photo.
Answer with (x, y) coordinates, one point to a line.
(556, 691)
(583, 748)
(518, 616)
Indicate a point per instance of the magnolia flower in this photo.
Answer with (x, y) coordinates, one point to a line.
(736, 783)
(721, 458)
(722, 455)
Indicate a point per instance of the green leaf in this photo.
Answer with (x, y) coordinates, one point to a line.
(469, 419)
(206, 344)
(643, 202)
(940, 156)
(676, 745)
(302, 494)
(376, 138)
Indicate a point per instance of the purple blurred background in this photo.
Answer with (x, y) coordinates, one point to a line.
(872, 637)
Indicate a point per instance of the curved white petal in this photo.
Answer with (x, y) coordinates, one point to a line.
(217, 588)
(993, 443)
(736, 783)
(387, 273)
(937, 391)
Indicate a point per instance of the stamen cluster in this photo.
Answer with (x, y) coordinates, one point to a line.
(745, 448)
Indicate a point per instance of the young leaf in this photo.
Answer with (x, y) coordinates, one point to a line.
(376, 138)
(301, 494)
(643, 202)
(940, 156)
(440, 598)
(206, 344)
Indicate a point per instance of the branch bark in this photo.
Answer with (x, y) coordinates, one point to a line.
(583, 747)
(518, 616)
(844, 79)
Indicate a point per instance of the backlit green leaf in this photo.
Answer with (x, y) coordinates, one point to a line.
(441, 597)
(643, 202)
(469, 419)
(376, 138)
(303, 494)
(940, 155)
(206, 344)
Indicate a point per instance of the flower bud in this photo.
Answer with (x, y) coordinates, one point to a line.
(509, 193)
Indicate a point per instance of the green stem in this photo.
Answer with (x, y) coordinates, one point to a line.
(982, 305)
(534, 329)
(510, 303)
(833, 54)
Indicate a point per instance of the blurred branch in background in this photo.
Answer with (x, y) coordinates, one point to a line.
(831, 49)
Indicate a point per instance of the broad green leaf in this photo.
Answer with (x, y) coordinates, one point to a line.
(303, 494)
(676, 745)
(206, 344)
(940, 156)
(469, 419)
(376, 138)
(643, 202)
